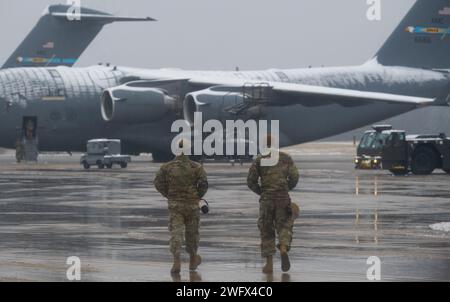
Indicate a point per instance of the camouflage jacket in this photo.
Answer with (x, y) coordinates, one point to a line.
(182, 181)
(269, 181)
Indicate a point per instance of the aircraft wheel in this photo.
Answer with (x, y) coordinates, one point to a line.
(86, 166)
(424, 161)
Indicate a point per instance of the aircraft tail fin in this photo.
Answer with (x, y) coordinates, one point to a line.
(61, 36)
(422, 40)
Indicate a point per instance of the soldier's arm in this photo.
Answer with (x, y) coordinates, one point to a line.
(293, 175)
(253, 178)
(202, 182)
(161, 183)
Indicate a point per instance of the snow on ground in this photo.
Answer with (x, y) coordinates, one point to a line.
(443, 226)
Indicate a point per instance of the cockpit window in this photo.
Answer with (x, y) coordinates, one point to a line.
(373, 140)
(380, 140)
(396, 139)
(367, 140)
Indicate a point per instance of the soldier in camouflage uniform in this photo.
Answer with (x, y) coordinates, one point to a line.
(20, 152)
(273, 184)
(183, 182)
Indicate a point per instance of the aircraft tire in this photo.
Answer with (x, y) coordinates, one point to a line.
(86, 166)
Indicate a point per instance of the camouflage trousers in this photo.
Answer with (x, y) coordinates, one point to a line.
(20, 154)
(184, 224)
(275, 218)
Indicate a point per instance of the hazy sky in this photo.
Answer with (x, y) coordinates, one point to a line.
(222, 34)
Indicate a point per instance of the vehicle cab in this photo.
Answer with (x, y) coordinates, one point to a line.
(368, 154)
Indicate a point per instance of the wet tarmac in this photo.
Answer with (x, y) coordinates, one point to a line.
(116, 223)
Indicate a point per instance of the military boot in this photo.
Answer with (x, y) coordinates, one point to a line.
(176, 268)
(285, 263)
(194, 262)
(268, 268)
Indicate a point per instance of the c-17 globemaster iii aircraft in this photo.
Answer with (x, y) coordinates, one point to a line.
(72, 105)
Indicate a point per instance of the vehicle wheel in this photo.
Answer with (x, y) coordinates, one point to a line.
(397, 172)
(123, 165)
(161, 157)
(424, 161)
(86, 166)
(109, 166)
(100, 165)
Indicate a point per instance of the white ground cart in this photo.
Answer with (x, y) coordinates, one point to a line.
(104, 153)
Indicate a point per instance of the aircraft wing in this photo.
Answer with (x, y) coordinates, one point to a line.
(314, 96)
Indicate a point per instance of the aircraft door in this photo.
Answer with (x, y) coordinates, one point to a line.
(28, 143)
(29, 127)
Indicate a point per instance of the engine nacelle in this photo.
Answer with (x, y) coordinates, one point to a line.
(134, 105)
(221, 103)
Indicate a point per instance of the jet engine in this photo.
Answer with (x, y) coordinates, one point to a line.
(227, 103)
(134, 105)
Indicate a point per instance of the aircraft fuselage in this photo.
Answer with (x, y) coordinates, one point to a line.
(66, 102)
